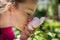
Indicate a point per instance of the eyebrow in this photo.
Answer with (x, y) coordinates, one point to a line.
(30, 9)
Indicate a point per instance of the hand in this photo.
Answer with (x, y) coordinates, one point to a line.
(35, 23)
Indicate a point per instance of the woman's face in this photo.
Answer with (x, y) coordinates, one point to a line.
(23, 14)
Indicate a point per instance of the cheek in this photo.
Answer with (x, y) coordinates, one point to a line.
(19, 20)
(23, 18)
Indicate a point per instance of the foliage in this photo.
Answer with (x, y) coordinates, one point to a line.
(47, 31)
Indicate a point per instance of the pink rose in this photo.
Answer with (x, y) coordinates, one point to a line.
(36, 21)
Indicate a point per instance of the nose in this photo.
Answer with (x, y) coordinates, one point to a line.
(30, 18)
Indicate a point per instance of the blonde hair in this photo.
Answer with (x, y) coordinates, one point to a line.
(3, 4)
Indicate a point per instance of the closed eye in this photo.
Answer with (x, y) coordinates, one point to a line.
(28, 14)
(29, 11)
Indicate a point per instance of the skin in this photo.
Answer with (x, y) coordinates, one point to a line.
(18, 17)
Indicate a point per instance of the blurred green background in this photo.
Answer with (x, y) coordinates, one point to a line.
(50, 29)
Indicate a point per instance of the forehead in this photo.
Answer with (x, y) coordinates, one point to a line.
(29, 4)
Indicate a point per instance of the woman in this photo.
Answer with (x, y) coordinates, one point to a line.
(15, 13)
